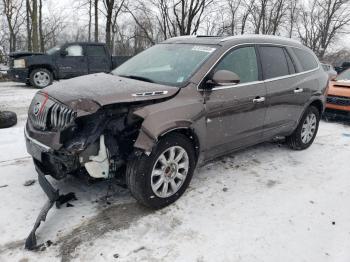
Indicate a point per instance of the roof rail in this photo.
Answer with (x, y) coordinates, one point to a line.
(259, 36)
(214, 36)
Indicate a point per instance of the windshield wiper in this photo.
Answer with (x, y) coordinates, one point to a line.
(141, 78)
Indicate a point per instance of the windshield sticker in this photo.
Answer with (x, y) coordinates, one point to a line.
(200, 48)
(180, 79)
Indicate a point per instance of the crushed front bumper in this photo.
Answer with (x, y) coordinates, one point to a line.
(58, 163)
(54, 197)
(40, 152)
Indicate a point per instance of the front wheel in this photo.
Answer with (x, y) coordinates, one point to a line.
(40, 78)
(306, 131)
(162, 177)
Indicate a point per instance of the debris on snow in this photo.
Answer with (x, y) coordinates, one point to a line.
(29, 182)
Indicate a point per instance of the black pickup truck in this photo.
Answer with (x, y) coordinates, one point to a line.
(62, 62)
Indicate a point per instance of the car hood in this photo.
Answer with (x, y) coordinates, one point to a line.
(90, 92)
(23, 54)
(339, 88)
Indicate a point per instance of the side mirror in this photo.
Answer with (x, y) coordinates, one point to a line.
(64, 52)
(224, 78)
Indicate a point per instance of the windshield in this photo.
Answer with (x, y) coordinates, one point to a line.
(171, 64)
(344, 76)
(53, 50)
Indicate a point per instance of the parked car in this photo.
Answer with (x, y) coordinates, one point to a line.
(338, 95)
(329, 70)
(62, 62)
(174, 106)
(343, 67)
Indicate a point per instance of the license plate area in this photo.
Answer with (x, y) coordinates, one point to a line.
(35, 150)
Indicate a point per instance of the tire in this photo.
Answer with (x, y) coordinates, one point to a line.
(40, 78)
(139, 178)
(7, 119)
(297, 140)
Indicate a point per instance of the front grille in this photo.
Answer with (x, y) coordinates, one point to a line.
(47, 114)
(60, 116)
(338, 100)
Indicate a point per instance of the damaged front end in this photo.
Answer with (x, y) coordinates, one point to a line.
(96, 140)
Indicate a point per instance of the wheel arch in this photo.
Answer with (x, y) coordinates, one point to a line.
(318, 104)
(45, 66)
(189, 133)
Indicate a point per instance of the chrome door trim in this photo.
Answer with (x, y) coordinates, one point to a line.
(260, 81)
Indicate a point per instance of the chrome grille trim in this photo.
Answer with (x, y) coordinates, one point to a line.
(53, 115)
(61, 116)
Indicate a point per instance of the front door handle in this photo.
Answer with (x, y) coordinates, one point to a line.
(298, 90)
(259, 99)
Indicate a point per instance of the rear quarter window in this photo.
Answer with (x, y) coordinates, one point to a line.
(274, 61)
(95, 50)
(306, 59)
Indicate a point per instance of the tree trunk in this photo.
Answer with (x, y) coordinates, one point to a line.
(96, 20)
(90, 14)
(29, 30)
(42, 42)
(109, 5)
(35, 26)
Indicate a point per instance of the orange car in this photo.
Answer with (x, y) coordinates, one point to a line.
(338, 96)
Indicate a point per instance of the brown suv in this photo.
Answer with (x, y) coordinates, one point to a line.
(174, 106)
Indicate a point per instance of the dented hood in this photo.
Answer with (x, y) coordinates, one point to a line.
(102, 89)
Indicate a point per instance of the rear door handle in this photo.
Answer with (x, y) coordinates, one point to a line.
(259, 99)
(298, 90)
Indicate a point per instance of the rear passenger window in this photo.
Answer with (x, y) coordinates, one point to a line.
(306, 59)
(273, 61)
(243, 62)
(95, 51)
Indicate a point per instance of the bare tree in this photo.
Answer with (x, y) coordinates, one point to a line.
(266, 15)
(14, 16)
(113, 9)
(322, 22)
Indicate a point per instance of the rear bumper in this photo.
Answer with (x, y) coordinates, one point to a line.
(18, 74)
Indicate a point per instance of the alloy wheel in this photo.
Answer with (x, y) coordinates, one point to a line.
(309, 127)
(169, 171)
(41, 79)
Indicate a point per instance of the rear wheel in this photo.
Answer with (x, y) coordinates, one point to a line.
(40, 78)
(162, 177)
(306, 131)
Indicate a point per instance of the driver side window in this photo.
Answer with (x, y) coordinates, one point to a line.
(74, 50)
(243, 62)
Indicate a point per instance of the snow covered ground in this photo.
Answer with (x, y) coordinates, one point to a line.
(265, 203)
